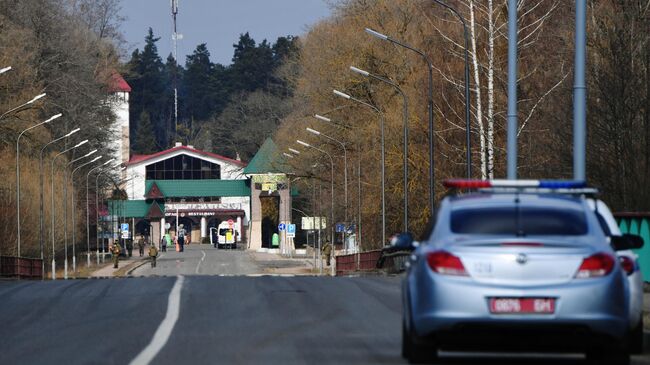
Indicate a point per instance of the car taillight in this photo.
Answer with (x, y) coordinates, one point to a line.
(595, 266)
(627, 264)
(445, 263)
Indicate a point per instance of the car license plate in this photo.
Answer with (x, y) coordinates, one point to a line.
(522, 305)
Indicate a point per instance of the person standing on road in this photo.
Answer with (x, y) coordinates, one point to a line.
(153, 253)
(115, 252)
(327, 251)
(181, 237)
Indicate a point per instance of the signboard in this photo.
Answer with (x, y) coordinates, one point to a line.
(124, 227)
(269, 186)
(340, 227)
(281, 227)
(311, 223)
(291, 230)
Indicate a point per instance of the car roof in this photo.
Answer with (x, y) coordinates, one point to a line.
(478, 200)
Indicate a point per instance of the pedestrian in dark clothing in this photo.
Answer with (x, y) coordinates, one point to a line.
(141, 246)
(129, 247)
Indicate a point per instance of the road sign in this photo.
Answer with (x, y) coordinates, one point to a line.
(124, 227)
(281, 227)
(340, 227)
(351, 228)
(291, 230)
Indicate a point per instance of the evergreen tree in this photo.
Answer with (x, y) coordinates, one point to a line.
(199, 83)
(145, 142)
(252, 65)
(148, 83)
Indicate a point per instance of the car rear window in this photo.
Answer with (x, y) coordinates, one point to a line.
(519, 221)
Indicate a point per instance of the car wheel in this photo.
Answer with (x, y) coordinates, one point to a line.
(415, 352)
(635, 339)
(612, 356)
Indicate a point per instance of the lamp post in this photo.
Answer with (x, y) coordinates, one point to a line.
(345, 171)
(406, 137)
(429, 108)
(74, 241)
(4, 69)
(18, 174)
(54, 210)
(65, 212)
(97, 211)
(467, 98)
(328, 120)
(331, 193)
(383, 159)
(88, 209)
(21, 105)
(41, 232)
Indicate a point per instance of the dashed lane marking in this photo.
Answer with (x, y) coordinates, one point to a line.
(199, 264)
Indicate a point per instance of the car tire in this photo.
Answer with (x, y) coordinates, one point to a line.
(417, 353)
(612, 356)
(635, 339)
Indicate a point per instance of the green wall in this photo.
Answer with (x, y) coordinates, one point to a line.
(638, 224)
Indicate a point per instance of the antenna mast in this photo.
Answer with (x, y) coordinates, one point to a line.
(175, 37)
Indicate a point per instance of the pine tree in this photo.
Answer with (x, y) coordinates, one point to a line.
(147, 80)
(145, 142)
(198, 82)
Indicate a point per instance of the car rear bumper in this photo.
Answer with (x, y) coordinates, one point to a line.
(589, 309)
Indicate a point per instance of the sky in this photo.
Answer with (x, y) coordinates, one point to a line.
(217, 23)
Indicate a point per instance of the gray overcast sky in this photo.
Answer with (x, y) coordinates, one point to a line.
(217, 23)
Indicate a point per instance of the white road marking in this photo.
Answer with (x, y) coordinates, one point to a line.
(163, 332)
(199, 264)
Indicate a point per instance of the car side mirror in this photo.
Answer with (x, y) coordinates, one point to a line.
(626, 242)
(403, 242)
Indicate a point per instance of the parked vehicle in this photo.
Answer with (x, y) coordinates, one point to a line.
(517, 265)
(226, 236)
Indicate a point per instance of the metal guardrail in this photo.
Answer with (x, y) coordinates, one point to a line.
(20, 267)
(377, 260)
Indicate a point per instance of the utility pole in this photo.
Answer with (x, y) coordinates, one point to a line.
(175, 37)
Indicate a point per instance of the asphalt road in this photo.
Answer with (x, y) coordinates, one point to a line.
(201, 260)
(212, 319)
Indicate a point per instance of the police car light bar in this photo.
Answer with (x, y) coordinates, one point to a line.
(542, 184)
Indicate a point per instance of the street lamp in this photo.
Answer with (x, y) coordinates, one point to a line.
(429, 108)
(331, 192)
(383, 158)
(4, 69)
(65, 211)
(74, 241)
(18, 173)
(345, 166)
(467, 99)
(88, 208)
(347, 127)
(406, 136)
(97, 210)
(22, 105)
(54, 209)
(42, 210)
